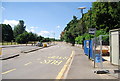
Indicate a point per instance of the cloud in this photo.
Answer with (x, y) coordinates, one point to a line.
(58, 27)
(44, 33)
(33, 27)
(11, 22)
(32, 30)
(27, 30)
(2, 8)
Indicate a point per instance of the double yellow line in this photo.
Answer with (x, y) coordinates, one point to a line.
(65, 67)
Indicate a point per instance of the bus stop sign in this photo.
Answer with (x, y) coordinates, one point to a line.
(92, 30)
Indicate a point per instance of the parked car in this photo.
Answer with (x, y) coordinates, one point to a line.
(39, 44)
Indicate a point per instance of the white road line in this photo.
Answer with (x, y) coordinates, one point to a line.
(8, 71)
(28, 63)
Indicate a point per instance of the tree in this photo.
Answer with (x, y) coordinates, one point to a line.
(40, 38)
(106, 15)
(19, 29)
(23, 38)
(32, 36)
(71, 31)
(7, 32)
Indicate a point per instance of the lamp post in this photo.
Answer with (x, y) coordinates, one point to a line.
(81, 8)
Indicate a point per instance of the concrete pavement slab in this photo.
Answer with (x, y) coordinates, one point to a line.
(82, 67)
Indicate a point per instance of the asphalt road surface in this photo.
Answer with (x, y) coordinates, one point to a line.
(41, 64)
(9, 51)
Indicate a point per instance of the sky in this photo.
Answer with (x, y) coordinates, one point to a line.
(43, 18)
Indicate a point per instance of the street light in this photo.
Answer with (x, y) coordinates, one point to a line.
(81, 8)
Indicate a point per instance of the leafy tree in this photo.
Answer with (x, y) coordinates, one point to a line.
(40, 38)
(106, 15)
(7, 32)
(79, 39)
(23, 38)
(19, 29)
(70, 31)
(45, 40)
(32, 36)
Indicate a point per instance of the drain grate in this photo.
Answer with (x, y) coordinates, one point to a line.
(117, 71)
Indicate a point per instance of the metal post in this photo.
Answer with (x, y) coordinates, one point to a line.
(101, 52)
(82, 21)
(94, 50)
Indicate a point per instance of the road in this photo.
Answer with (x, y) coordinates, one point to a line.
(41, 64)
(10, 51)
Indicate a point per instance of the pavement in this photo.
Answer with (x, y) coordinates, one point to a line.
(82, 68)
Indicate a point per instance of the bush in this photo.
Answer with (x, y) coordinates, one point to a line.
(79, 39)
(105, 39)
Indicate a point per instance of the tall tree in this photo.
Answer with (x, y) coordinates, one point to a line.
(32, 36)
(23, 38)
(19, 29)
(106, 15)
(7, 32)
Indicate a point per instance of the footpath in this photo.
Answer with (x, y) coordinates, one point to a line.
(83, 68)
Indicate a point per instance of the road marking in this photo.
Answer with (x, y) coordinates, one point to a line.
(8, 71)
(28, 63)
(45, 61)
(60, 62)
(66, 58)
(57, 57)
(56, 62)
(61, 73)
(49, 61)
(53, 61)
(60, 57)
